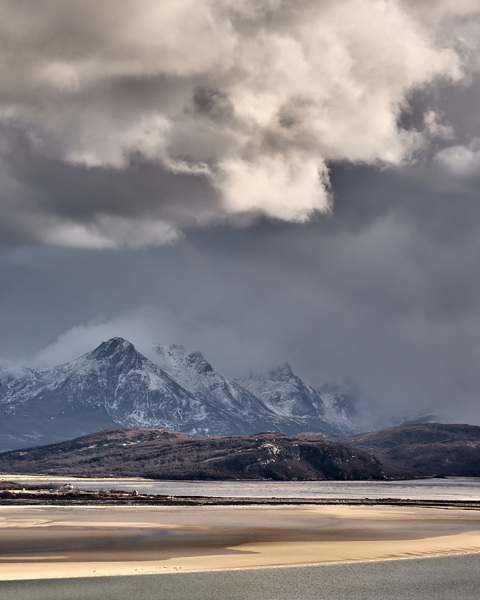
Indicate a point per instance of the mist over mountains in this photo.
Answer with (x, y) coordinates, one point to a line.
(116, 386)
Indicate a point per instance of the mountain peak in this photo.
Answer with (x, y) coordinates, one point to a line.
(345, 387)
(176, 355)
(114, 346)
(284, 370)
(197, 361)
(173, 351)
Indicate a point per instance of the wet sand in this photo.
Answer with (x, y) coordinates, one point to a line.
(63, 542)
(441, 578)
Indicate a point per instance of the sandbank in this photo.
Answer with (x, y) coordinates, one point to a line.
(38, 542)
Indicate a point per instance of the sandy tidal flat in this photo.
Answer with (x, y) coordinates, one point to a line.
(52, 542)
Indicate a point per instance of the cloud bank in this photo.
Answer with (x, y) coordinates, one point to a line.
(123, 123)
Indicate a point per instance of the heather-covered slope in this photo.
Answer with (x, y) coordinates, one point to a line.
(166, 454)
(431, 448)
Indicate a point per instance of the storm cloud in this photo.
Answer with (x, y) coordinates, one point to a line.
(155, 117)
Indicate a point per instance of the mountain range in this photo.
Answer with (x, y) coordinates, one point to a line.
(174, 416)
(116, 386)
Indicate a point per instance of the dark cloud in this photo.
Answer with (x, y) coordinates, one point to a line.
(112, 123)
(382, 291)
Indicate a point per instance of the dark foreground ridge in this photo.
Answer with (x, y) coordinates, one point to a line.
(429, 448)
(164, 454)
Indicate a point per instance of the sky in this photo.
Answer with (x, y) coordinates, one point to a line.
(264, 181)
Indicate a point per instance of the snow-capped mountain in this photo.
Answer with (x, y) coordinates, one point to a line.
(341, 407)
(279, 396)
(194, 373)
(111, 386)
(329, 409)
(115, 385)
(197, 375)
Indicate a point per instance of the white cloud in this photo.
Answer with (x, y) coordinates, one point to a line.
(273, 185)
(461, 160)
(255, 97)
(106, 232)
(435, 128)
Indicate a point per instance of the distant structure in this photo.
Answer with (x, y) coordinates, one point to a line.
(66, 487)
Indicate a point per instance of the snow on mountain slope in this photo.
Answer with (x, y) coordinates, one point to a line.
(340, 408)
(109, 378)
(197, 375)
(286, 394)
(114, 385)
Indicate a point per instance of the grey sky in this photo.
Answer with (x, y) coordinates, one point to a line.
(189, 200)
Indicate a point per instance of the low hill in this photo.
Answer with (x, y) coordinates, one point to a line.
(430, 448)
(164, 454)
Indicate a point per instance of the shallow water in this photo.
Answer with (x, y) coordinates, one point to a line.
(452, 488)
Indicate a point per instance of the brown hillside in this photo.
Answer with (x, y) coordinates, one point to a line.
(163, 454)
(431, 448)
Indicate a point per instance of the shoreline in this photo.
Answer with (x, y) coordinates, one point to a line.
(37, 495)
(61, 542)
(439, 578)
(96, 500)
(292, 567)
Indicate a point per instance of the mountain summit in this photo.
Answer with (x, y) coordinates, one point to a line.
(327, 409)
